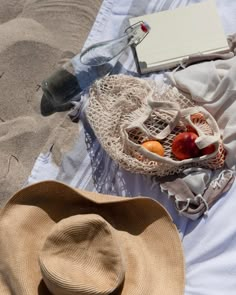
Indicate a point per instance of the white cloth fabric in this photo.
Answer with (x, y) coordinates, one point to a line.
(197, 179)
(213, 85)
(210, 242)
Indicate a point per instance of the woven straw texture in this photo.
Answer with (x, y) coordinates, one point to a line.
(57, 240)
(125, 111)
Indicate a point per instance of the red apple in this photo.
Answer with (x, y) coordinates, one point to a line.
(208, 149)
(184, 146)
(191, 129)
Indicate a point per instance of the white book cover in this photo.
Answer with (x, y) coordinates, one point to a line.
(180, 33)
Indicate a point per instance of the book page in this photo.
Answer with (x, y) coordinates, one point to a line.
(178, 33)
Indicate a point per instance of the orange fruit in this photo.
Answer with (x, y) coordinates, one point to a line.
(197, 116)
(154, 146)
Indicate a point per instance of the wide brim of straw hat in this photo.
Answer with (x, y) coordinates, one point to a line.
(148, 240)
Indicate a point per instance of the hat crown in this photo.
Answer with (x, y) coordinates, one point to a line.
(81, 255)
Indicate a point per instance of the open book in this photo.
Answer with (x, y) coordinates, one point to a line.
(177, 34)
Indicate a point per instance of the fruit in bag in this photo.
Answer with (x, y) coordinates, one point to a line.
(154, 147)
(184, 146)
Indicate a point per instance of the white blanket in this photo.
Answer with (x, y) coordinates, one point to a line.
(210, 242)
(213, 85)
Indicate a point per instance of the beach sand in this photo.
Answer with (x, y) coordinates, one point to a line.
(35, 37)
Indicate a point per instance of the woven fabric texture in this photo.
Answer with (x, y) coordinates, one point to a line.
(125, 111)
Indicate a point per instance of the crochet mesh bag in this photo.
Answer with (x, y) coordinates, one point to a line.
(125, 111)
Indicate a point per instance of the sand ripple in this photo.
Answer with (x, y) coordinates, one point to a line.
(35, 36)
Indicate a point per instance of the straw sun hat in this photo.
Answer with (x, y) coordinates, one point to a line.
(58, 240)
